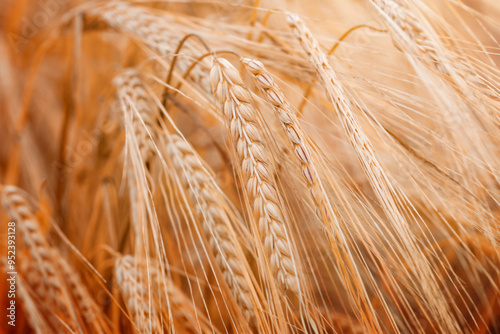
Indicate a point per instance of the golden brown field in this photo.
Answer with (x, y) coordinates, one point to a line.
(272, 166)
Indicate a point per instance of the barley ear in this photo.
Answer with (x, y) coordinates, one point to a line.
(241, 120)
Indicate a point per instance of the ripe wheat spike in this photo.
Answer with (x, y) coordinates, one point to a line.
(206, 197)
(325, 211)
(408, 33)
(138, 110)
(226, 166)
(240, 116)
(135, 293)
(366, 155)
(39, 268)
(159, 33)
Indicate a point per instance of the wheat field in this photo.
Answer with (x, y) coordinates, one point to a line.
(250, 166)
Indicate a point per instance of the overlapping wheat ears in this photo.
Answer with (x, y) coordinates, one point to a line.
(394, 230)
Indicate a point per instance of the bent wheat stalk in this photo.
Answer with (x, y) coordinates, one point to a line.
(408, 33)
(138, 120)
(463, 106)
(350, 123)
(140, 22)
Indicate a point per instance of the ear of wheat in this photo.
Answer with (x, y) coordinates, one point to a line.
(139, 22)
(461, 94)
(206, 198)
(40, 270)
(373, 169)
(135, 292)
(138, 111)
(325, 212)
(137, 280)
(338, 97)
(410, 34)
(159, 33)
(240, 116)
(316, 188)
(293, 132)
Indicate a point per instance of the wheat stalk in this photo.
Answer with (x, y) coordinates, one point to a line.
(462, 106)
(352, 127)
(241, 116)
(206, 197)
(141, 131)
(141, 23)
(299, 141)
